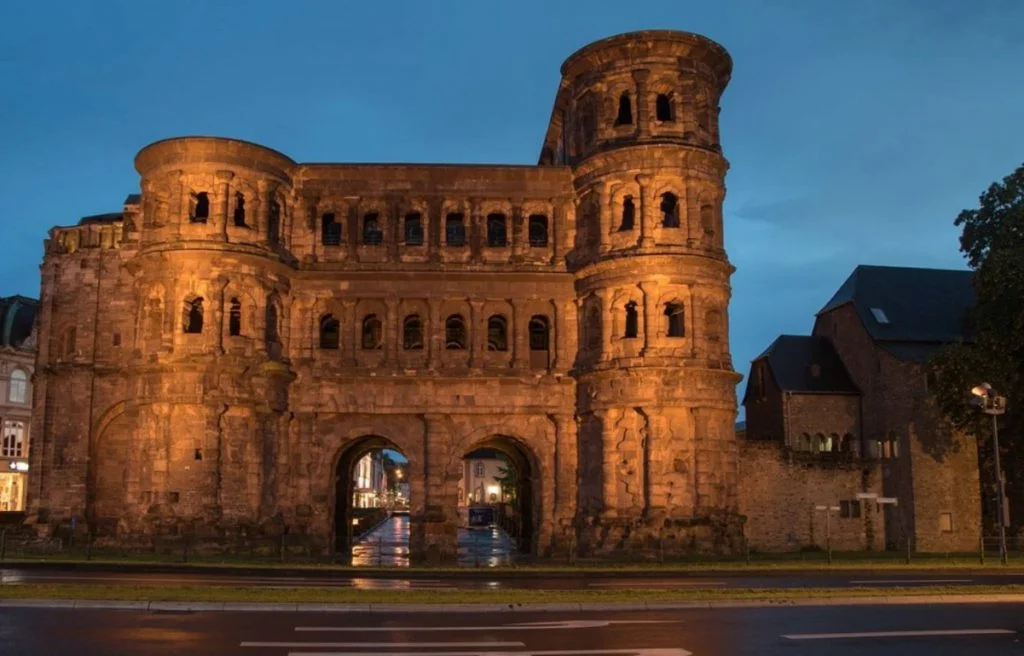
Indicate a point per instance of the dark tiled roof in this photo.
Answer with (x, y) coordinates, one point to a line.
(17, 319)
(910, 312)
(791, 359)
(133, 199)
(101, 218)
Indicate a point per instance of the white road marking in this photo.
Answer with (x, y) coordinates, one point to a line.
(897, 634)
(657, 651)
(382, 645)
(891, 581)
(524, 626)
(649, 585)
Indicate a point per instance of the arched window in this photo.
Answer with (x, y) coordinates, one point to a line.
(632, 320)
(330, 332)
(675, 316)
(540, 339)
(455, 229)
(193, 320)
(497, 233)
(330, 229)
(373, 235)
(625, 115)
(18, 389)
(412, 333)
(373, 333)
(413, 229)
(274, 222)
(200, 207)
(497, 333)
(455, 333)
(272, 329)
(235, 318)
(669, 210)
(713, 326)
(628, 214)
(538, 230)
(13, 439)
(663, 108)
(707, 219)
(239, 214)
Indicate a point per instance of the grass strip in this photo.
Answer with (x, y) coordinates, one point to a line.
(347, 595)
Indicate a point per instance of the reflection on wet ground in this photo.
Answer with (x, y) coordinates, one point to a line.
(388, 546)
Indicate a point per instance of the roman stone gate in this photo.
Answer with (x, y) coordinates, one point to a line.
(215, 356)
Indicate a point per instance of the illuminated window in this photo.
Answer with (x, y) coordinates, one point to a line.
(13, 445)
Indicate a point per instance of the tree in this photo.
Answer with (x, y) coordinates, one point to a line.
(508, 479)
(992, 240)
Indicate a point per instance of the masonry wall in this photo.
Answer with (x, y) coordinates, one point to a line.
(779, 490)
(836, 416)
(935, 470)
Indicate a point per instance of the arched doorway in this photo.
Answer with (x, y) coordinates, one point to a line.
(497, 494)
(371, 503)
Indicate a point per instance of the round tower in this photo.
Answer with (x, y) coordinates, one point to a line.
(209, 366)
(639, 126)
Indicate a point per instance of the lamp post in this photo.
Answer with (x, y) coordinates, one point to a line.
(992, 404)
(828, 527)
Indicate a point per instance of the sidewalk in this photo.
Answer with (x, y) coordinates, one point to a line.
(206, 606)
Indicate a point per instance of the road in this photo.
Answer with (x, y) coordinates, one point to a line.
(791, 631)
(387, 545)
(481, 579)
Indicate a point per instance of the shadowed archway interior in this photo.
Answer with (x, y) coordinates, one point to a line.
(345, 486)
(519, 514)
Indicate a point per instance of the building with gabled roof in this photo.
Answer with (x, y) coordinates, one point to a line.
(17, 363)
(856, 392)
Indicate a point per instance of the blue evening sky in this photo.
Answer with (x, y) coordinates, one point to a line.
(856, 131)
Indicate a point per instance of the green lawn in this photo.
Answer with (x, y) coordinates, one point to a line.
(210, 593)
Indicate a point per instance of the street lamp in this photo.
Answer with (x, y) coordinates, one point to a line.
(992, 404)
(828, 527)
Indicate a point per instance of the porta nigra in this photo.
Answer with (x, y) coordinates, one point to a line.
(215, 357)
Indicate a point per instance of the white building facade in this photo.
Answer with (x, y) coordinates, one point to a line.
(17, 362)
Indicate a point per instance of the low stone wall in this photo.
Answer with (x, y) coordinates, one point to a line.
(779, 489)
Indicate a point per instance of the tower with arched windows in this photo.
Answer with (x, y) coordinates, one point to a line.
(636, 118)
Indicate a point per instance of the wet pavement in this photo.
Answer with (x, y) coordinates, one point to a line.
(879, 630)
(387, 545)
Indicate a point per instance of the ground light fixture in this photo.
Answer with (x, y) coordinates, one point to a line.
(991, 403)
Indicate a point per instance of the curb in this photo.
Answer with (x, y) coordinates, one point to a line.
(215, 606)
(473, 573)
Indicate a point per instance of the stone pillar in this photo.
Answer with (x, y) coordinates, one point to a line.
(391, 332)
(262, 208)
(566, 475)
(349, 346)
(224, 180)
(606, 323)
(609, 464)
(649, 330)
(554, 335)
(643, 105)
(606, 219)
(431, 332)
(520, 355)
(647, 208)
(518, 233)
(439, 543)
(475, 355)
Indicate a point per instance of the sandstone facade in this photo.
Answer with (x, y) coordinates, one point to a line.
(214, 358)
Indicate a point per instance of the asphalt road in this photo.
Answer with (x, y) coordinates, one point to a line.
(481, 580)
(792, 631)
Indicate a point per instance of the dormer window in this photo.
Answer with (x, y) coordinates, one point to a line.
(879, 315)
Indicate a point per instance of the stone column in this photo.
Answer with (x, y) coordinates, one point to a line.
(643, 105)
(520, 351)
(647, 208)
(647, 288)
(431, 332)
(349, 346)
(224, 180)
(607, 321)
(262, 208)
(439, 520)
(566, 471)
(518, 236)
(554, 335)
(391, 332)
(475, 355)
(606, 219)
(609, 464)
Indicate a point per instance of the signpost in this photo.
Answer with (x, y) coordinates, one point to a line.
(828, 527)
